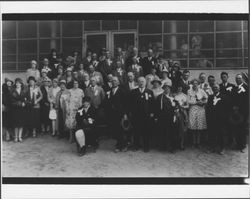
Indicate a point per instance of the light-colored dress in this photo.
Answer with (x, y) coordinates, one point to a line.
(197, 115)
(75, 102)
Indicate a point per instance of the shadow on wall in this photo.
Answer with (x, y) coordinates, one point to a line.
(194, 74)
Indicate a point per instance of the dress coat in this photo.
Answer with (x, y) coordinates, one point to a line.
(147, 64)
(18, 112)
(45, 106)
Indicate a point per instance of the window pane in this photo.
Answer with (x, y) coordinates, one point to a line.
(71, 45)
(9, 66)
(177, 43)
(228, 25)
(245, 25)
(9, 58)
(245, 39)
(96, 42)
(228, 40)
(229, 53)
(23, 66)
(72, 28)
(90, 25)
(46, 45)
(27, 29)
(49, 28)
(202, 41)
(128, 24)
(9, 29)
(150, 26)
(124, 41)
(201, 63)
(196, 53)
(246, 63)
(26, 58)
(110, 25)
(175, 26)
(201, 26)
(27, 46)
(146, 42)
(9, 47)
(228, 63)
(246, 52)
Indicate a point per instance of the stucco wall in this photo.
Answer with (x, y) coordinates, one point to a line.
(194, 74)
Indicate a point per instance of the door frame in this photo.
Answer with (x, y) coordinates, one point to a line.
(84, 46)
(121, 32)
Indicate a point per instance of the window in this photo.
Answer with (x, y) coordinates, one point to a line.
(175, 26)
(9, 47)
(150, 26)
(72, 28)
(201, 26)
(27, 29)
(92, 25)
(228, 25)
(150, 41)
(27, 46)
(46, 45)
(49, 29)
(228, 40)
(109, 25)
(69, 45)
(128, 24)
(9, 29)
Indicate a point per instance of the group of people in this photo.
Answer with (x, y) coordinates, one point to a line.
(145, 103)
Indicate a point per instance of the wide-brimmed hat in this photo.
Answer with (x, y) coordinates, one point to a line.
(6, 79)
(18, 79)
(126, 124)
(166, 84)
(156, 79)
(31, 78)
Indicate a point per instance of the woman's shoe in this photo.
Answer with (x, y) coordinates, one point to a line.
(16, 140)
(20, 140)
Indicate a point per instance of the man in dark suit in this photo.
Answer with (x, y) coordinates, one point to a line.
(217, 116)
(129, 60)
(85, 132)
(148, 62)
(241, 101)
(184, 82)
(225, 86)
(142, 109)
(116, 99)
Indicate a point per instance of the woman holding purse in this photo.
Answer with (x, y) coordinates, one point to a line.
(52, 99)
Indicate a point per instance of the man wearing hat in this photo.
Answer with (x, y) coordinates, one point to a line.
(142, 110)
(165, 115)
(86, 132)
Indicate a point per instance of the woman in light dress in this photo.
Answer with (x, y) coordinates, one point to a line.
(181, 116)
(75, 102)
(197, 98)
(52, 99)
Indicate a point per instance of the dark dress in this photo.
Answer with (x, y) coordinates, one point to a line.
(6, 101)
(33, 111)
(45, 107)
(18, 112)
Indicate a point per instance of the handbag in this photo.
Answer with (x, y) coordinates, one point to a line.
(52, 114)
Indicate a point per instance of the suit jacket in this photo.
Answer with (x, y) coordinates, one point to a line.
(122, 76)
(104, 68)
(241, 98)
(142, 104)
(148, 65)
(86, 63)
(86, 119)
(217, 109)
(227, 89)
(97, 95)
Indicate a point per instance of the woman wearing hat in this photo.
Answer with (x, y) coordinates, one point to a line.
(197, 98)
(34, 96)
(75, 101)
(45, 106)
(18, 103)
(62, 101)
(7, 88)
(157, 90)
(33, 71)
(52, 99)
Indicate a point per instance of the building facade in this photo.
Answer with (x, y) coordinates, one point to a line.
(197, 45)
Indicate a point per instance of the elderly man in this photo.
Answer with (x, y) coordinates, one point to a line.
(116, 99)
(148, 62)
(142, 109)
(131, 83)
(241, 102)
(217, 116)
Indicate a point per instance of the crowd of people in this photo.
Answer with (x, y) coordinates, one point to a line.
(144, 103)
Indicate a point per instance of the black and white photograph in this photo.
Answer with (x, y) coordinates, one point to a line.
(125, 98)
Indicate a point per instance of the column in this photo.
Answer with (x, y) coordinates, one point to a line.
(173, 39)
(53, 34)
